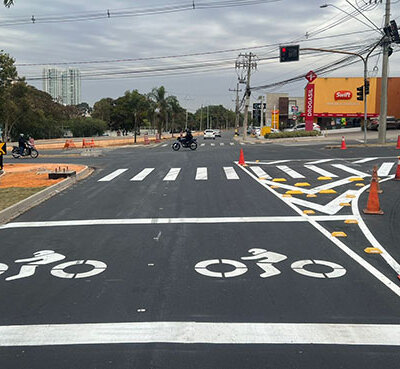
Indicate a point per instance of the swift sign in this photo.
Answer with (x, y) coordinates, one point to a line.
(343, 95)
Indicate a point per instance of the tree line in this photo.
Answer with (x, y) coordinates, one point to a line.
(25, 109)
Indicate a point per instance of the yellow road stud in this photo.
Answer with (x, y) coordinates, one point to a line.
(351, 221)
(339, 234)
(294, 192)
(308, 211)
(286, 195)
(275, 187)
(327, 191)
(302, 184)
(279, 180)
(355, 179)
(350, 196)
(311, 195)
(262, 178)
(360, 184)
(324, 178)
(257, 161)
(344, 204)
(373, 250)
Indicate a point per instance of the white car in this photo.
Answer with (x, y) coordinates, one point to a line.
(217, 132)
(302, 127)
(209, 133)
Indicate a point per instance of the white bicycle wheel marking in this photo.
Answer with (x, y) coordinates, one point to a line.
(202, 268)
(98, 267)
(337, 270)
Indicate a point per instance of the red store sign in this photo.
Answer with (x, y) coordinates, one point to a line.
(343, 95)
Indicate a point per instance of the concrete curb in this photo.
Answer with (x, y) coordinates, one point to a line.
(24, 205)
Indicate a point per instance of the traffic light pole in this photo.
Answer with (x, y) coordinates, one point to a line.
(365, 61)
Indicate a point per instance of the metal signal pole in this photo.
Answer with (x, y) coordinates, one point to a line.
(237, 105)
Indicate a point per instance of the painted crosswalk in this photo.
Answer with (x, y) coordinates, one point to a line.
(260, 172)
(230, 173)
(201, 174)
(142, 175)
(350, 170)
(112, 175)
(172, 175)
(385, 169)
(320, 171)
(291, 172)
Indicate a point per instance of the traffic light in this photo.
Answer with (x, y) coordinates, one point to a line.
(360, 93)
(366, 87)
(289, 53)
(394, 32)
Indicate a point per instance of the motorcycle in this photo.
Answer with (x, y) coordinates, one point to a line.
(192, 144)
(29, 150)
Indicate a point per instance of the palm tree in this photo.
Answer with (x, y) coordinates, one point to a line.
(174, 108)
(8, 3)
(157, 95)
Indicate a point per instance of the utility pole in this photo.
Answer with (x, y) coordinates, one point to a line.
(208, 116)
(244, 65)
(201, 116)
(384, 80)
(186, 119)
(237, 110)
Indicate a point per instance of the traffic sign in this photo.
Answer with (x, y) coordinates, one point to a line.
(294, 117)
(3, 148)
(311, 76)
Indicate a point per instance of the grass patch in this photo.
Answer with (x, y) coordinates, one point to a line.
(293, 134)
(12, 195)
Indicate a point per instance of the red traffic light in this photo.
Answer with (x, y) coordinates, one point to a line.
(283, 49)
(289, 53)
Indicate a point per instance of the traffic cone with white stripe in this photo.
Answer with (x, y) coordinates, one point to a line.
(343, 146)
(241, 158)
(373, 206)
(397, 176)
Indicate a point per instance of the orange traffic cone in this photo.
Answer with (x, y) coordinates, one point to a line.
(375, 175)
(241, 158)
(397, 176)
(83, 143)
(398, 142)
(343, 146)
(373, 206)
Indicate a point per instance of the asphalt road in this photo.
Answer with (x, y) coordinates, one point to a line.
(186, 260)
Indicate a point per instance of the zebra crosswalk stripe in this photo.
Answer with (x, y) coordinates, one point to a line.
(385, 169)
(230, 173)
(142, 175)
(201, 174)
(172, 174)
(320, 171)
(221, 144)
(365, 160)
(292, 173)
(260, 173)
(203, 144)
(350, 170)
(112, 175)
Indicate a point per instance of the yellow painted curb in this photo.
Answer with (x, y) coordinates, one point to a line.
(373, 250)
(351, 221)
(324, 178)
(311, 195)
(360, 184)
(294, 192)
(339, 234)
(327, 191)
(355, 179)
(279, 180)
(302, 184)
(344, 204)
(350, 196)
(308, 211)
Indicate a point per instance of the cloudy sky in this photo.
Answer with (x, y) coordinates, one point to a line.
(191, 52)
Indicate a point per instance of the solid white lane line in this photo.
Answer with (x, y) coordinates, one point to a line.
(198, 332)
(350, 170)
(320, 161)
(164, 145)
(172, 174)
(201, 174)
(277, 162)
(347, 250)
(221, 144)
(385, 169)
(142, 175)
(330, 185)
(365, 160)
(260, 173)
(112, 175)
(230, 173)
(320, 171)
(292, 173)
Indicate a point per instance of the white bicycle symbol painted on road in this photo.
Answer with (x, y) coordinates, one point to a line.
(44, 257)
(266, 260)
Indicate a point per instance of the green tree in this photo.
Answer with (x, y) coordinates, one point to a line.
(102, 109)
(86, 127)
(173, 109)
(158, 96)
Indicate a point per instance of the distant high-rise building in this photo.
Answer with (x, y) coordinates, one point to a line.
(63, 86)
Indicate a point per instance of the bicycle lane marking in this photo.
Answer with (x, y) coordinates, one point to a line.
(367, 266)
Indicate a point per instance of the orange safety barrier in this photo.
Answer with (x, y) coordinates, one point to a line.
(86, 143)
(158, 137)
(146, 139)
(69, 144)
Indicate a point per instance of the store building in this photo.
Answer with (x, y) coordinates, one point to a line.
(334, 101)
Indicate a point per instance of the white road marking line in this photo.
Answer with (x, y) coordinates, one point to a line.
(277, 162)
(370, 237)
(213, 144)
(203, 144)
(221, 144)
(350, 170)
(365, 160)
(331, 208)
(199, 332)
(347, 250)
(230, 173)
(142, 175)
(112, 175)
(242, 143)
(330, 185)
(201, 174)
(164, 145)
(260, 173)
(231, 143)
(385, 169)
(320, 161)
(172, 174)
(320, 171)
(292, 173)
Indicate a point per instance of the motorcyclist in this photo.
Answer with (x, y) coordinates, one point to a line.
(22, 143)
(188, 136)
